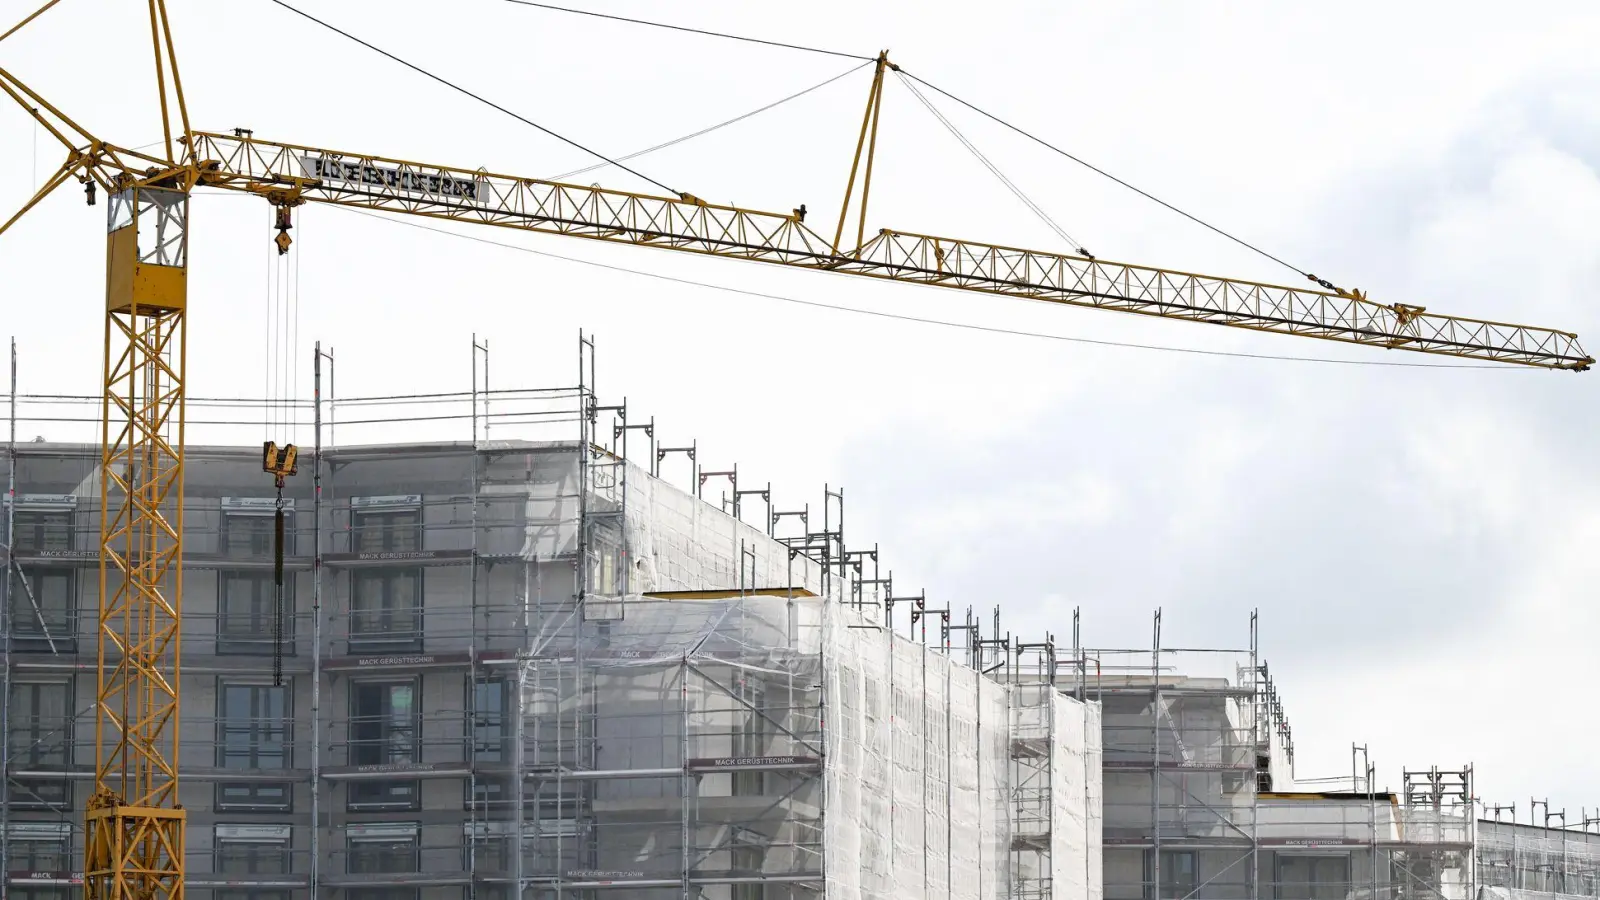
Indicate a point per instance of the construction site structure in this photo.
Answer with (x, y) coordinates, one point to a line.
(539, 637)
(529, 661)
(1550, 855)
(136, 825)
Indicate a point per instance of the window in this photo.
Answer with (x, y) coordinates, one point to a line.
(488, 847)
(382, 849)
(750, 738)
(246, 614)
(254, 725)
(748, 860)
(381, 893)
(485, 792)
(250, 894)
(555, 843)
(603, 575)
(39, 847)
(385, 610)
(252, 850)
(1179, 875)
(383, 731)
(488, 712)
(253, 536)
(44, 610)
(39, 531)
(41, 719)
(1305, 877)
(388, 531)
(35, 892)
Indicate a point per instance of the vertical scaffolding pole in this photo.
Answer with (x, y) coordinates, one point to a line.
(1155, 759)
(1372, 816)
(685, 781)
(472, 711)
(316, 615)
(5, 637)
(1256, 746)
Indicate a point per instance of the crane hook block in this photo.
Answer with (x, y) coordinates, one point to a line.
(285, 223)
(279, 461)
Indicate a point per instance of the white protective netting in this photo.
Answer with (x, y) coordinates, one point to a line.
(994, 767)
(679, 542)
(918, 768)
(1075, 800)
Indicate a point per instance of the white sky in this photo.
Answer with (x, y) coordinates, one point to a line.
(1413, 537)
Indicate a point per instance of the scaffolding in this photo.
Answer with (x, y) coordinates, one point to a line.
(522, 664)
(518, 662)
(1544, 857)
(1197, 786)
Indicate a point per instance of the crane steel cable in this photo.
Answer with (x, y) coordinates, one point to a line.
(718, 34)
(1014, 332)
(703, 131)
(1102, 172)
(1011, 186)
(478, 97)
(1032, 137)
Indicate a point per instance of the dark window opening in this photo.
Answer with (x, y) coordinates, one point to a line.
(247, 610)
(254, 728)
(385, 610)
(1179, 875)
(252, 857)
(387, 855)
(44, 610)
(37, 531)
(388, 531)
(383, 731)
(254, 536)
(41, 720)
(488, 712)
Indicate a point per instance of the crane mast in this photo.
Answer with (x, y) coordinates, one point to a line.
(135, 824)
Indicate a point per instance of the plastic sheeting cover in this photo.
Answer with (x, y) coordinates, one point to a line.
(918, 799)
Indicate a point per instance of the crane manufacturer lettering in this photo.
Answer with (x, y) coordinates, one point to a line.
(337, 173)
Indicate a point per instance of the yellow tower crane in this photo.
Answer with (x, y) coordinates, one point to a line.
(134, 823)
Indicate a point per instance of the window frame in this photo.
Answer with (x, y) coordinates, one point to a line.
(381, 892)
(738, 856)
(754, 733)
(31, 793)
(1307, 890)
(367, 522)
(260, 548)
(28, 635)
(231, 641)
(354, 801)
(1153, 891)
(378, 838)
(35, 544)
(478, 720)
(60, 837)
(256, 798)
(282, 847)
(387, 641)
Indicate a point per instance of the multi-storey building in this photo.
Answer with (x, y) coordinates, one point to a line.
(539, 664)
(536, 664)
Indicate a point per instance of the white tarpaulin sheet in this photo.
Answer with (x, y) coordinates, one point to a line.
(918, 765)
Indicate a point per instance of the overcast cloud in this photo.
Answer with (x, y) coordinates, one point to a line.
(1417, 540)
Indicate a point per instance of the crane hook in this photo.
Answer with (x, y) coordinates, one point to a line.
(285, 222)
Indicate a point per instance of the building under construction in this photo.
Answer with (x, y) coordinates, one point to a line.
(503, 661)
(562, 654)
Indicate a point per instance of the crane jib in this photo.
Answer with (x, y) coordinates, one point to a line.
(333, 172)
